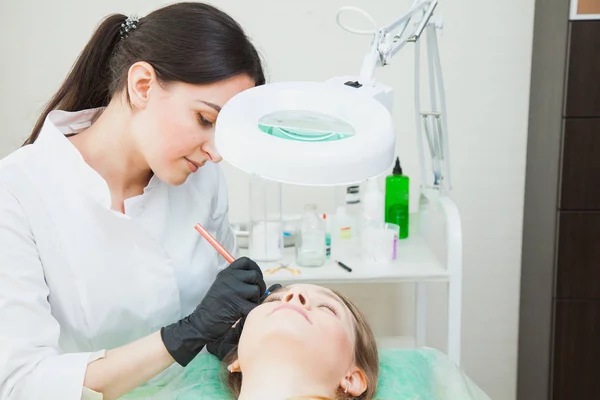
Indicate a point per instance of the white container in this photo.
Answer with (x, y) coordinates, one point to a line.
(343, 236)
(354, 207)
(380, 243)
(373, 204)
(310, 239)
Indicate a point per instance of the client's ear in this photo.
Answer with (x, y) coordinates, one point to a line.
(355, 383)
(234, 366)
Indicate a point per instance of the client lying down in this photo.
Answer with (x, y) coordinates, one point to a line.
(304, 342)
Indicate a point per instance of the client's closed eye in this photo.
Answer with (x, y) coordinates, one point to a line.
(330, 308)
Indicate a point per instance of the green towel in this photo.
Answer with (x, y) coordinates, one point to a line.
(405, 374)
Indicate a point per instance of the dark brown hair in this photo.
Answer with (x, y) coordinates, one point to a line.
(185, 42)
(366, 358)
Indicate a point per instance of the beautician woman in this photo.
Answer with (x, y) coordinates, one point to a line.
(104, 282)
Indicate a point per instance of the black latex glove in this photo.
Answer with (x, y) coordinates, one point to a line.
(224, 345)
(234, 293)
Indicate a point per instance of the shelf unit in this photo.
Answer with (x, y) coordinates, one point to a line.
(417, 262)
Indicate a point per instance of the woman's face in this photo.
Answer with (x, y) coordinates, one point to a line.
(174, 129)
(307, 323)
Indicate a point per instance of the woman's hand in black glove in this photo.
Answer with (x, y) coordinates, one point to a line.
(234, 293)
(229, 341)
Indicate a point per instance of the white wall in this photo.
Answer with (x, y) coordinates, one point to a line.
(486, 50)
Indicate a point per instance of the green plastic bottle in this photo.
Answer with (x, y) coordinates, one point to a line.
(397, 187)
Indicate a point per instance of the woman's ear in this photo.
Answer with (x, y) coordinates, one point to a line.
(140, 79)
(234, 366)
(354, 383)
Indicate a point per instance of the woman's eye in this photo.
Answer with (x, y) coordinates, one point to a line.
(204, 121)
(329, 307)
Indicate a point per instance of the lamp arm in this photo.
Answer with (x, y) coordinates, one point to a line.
(399, 41)
(431, 122)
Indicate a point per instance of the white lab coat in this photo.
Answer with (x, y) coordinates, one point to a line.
(77, 277)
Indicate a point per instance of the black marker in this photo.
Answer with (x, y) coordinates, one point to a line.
(341, 264)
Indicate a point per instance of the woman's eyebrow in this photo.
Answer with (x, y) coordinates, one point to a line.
(211, 105)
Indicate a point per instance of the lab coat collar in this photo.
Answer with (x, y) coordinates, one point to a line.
(60, 152)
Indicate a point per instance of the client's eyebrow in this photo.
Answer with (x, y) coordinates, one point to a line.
(331, 295)
(278, 290)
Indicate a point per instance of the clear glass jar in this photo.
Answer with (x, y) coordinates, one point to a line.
(266, 220)
(310, 239)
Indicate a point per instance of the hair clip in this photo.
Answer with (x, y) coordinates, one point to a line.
(130, 24)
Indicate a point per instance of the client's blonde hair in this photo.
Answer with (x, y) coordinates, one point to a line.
(365, 357)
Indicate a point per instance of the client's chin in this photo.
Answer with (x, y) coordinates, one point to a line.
(282, 344)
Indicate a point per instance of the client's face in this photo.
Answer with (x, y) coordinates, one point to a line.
(307, 323)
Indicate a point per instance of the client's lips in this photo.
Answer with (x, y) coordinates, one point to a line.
(293, 307)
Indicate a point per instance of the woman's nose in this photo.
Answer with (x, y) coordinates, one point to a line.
(297, 297)
(211, 151)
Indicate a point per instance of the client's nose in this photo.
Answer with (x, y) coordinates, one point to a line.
(297, 297)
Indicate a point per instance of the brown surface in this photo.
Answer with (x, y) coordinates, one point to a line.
(577, 351)
(583, 90)
(580, 186)
(578, 258)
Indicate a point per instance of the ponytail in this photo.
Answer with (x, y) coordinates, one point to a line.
(88, 82)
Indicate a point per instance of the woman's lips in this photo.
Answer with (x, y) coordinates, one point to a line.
(293, 307)
(193, 166)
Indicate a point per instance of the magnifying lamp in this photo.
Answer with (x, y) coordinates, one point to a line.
(338, 132)
(306, 133)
